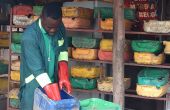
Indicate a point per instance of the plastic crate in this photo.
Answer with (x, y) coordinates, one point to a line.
(98, 104)
(42, 102)
(153, 77)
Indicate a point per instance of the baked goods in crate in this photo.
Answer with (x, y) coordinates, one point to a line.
(84, 54)
(85, 42)
(15, 65)
(148, 58)
(15, 75)
(151, 91)
(107, 24)
(157, 26)
(82, 83)
(86, 71)
(167, 47)
(106, 84)
(77, 12)
(76, 22)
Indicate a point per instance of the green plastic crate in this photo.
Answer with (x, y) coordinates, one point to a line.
(14, 103)
(147, 46)
(107, 12)
(82, 83)
(98, 104)
(69, 41)
(3, 68)
(37, 10)
(153, 76)
(16, 48)
(16, 37)
(86, 42)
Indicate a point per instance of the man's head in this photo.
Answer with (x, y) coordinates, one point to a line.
(51, 17)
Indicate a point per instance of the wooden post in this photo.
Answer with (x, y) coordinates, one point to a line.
(118, 53)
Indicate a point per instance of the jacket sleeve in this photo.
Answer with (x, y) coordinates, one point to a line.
(63, 43)
(33, 58)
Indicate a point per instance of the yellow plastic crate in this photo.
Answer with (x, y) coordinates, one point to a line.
(77, 12)
(76, 22)
(167, 47)
(151, 91)
(4, 42)
(106, 45)
(148, 58)
(13, 94)
(15, 75)
(106, 84)
(108, 23)
(84, 54)
(3, 84)
(86, 72)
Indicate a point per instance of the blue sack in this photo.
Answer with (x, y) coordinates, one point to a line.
(42, 102)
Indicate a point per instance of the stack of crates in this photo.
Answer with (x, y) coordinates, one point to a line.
(152, 82)
(84, 76)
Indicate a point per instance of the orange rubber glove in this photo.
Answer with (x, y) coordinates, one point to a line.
(64, 76)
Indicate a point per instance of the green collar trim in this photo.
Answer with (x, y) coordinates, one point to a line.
(42, 29)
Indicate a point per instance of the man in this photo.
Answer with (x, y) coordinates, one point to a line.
(44, 56)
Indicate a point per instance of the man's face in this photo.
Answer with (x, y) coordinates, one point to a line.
(51, 25)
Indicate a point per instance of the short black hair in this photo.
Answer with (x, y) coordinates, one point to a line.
(52, 10)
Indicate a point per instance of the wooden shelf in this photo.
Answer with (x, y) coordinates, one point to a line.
(4, 76)
(137, 33)
(3, 92)
(81, 30)
(92, 91)
(95, 61)
(107, 31)
(16, 54)
(126, 63)
(126, 95)
(18, 26)
(150, 98)
(156, 66)
(16, 82)
(104, 31)
(147, 33)
(5, 47)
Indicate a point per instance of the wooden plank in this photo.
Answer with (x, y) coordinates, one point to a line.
(93, 61)
(4, 76)
(118, 50)
(166, 65)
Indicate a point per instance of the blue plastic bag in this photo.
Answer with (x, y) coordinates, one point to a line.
(42, 102)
